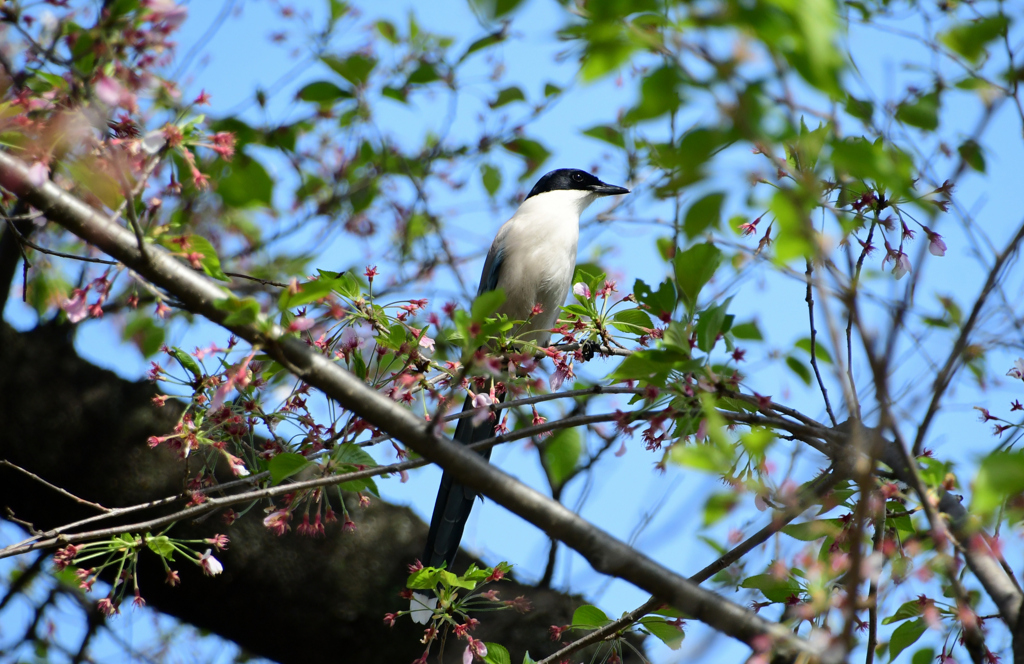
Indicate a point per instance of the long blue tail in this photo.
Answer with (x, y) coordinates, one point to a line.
(455, 501)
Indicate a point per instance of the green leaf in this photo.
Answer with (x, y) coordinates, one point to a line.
(905, 635)
(161, 546)
(794, 236)
(322, 92)
(355, 455)
(285, 465)
(799, 368)
(775, 590)
(425, 73)
(907, 610)
(649, 364)
(1001, 475)
(704, 214)
(86, 172)
(338, 9)
(242, 311)
(424, 579)
(631, 321)
(660, 94)
(486, 304)
(533, 153)
(710, 324)
(608, 47)
(757, 440)
(810, 531)
(668, 633)
(802, 155)
(662, 301)
(747, 331)
(494, 9)
(453, 581)
(247, 184)
(144, 333)
(923, 656)
(970, 39)
(589, 617)
(608, 134)
(933, 471)
(694, 269)
(507, 96)
(922, 112)
(972, 155)
(718, 506)
(187, 363)
(820, 352)
(491, 178)
(398, 94)
(344, 283)
(210, 262)
(484, 42)
(700, 456)
(860, 109)
(355, 69)
(561, 454)
(497, 654)
(884, 164)
(808, 42)
(364, 484)
(311, 291)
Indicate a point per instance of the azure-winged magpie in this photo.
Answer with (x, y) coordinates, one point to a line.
(532, 259)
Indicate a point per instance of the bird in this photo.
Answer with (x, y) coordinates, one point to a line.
(532, 259)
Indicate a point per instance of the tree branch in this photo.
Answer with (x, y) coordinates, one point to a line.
(605, 554)
(948, 369)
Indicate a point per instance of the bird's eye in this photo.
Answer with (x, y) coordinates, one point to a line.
(577, 176)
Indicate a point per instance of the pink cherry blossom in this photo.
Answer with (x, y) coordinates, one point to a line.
(237, 466)
(277, 522)
(167, 12)
(211, 566)
(301, 324)
(76, 308)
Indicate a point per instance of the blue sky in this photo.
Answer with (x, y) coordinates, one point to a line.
(625, 491)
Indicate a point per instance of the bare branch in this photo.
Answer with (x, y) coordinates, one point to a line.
(809, 298)
(67, 494)
(944, 376)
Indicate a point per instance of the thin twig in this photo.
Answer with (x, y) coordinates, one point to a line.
(28, 243)
(265, 282)
(63, 492)
(944, 376)
(809, 298)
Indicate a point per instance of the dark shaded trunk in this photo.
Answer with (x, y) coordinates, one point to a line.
(291, 598)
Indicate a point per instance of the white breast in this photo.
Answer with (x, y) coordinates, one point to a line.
(540, 257)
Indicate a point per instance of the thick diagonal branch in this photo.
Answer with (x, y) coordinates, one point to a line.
(201, 296)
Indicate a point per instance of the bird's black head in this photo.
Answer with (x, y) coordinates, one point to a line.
(574, 179)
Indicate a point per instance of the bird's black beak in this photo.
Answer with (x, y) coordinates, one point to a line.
(602, 189)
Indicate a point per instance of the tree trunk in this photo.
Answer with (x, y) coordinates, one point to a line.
(290, 598)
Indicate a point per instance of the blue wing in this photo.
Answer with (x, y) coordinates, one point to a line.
(455, 501)
(492, 266)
